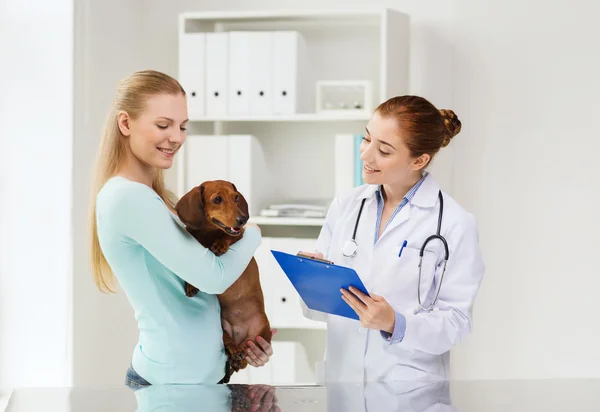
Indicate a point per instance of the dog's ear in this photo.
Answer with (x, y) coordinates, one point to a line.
(243, 205)
(234, 188)
(190, 208)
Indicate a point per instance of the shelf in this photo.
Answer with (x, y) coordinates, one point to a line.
(300, 14)
(311, 326)
(301, 117)
(287, 221)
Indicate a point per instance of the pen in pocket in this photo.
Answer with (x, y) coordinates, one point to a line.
(402, 248)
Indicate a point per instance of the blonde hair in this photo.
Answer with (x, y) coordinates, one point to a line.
(131, 96)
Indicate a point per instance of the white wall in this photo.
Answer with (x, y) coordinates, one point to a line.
(526, 165)
(36, 84)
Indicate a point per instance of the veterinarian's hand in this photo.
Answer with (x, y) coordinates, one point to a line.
(374, 312)
(259, 356)
(315, 255)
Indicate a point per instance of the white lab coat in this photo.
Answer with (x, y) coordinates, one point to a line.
(356, 354)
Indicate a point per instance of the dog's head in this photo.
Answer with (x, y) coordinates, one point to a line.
(214, 204)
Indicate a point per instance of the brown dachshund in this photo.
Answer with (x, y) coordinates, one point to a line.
(215, 213)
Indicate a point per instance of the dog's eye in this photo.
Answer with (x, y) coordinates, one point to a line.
(236, 198)
(217, 200)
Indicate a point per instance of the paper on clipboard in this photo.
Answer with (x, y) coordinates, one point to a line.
(319, 282)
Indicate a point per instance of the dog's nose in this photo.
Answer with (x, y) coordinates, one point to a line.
(241, 220)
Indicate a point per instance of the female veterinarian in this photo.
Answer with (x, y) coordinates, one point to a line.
(137, 235)
(416, 311)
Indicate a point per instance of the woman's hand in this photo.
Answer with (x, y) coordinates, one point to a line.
(374, 312)
(259, 356)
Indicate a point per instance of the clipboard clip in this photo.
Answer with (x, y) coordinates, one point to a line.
(304, 255)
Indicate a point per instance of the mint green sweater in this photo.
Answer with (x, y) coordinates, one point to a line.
(152, 255)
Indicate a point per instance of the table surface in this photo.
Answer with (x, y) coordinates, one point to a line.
(458, 396)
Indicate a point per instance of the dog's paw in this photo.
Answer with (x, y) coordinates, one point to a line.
(237, 356)
(219, 247)
(238, 365)
(190, 290)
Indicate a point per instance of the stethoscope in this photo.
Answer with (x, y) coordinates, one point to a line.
(351, 247)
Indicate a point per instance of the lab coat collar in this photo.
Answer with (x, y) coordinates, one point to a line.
(368, 192)
(426, 196)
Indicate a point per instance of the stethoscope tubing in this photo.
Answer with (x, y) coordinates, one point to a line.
(437, 235)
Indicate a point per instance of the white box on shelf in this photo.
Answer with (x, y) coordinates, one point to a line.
(291, 74)
(344, 97)
(240, 54)
(192, 56)
(260, 68)
(235, 158)
(217, 58)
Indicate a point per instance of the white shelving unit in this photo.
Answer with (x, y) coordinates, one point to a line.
(288, 221)
(300, 117)
(297, 148)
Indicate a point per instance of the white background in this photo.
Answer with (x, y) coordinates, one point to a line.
(520, 76)
(36, 141)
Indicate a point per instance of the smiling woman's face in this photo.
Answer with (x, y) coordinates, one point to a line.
(158, 133)
(386, 158)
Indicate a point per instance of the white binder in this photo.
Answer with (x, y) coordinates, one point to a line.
(291, 73)
(249, 172)
(261, 73)
(239, 59)
(235, 158)
(192, 55)
(217, 57)
(344, 162)
(206, 158)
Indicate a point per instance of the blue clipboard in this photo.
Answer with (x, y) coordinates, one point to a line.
(319, 283)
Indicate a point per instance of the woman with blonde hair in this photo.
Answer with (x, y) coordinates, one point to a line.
(137, 236)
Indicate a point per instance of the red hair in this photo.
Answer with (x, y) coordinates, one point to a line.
(425, 129)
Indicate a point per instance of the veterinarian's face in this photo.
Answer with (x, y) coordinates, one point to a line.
(385, 157)
(158, 133)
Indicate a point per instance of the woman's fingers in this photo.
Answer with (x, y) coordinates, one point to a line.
(266, 347)
(257, 353)
(353, 301)
(252, 358)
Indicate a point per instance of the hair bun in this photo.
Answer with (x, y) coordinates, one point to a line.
(452, 124)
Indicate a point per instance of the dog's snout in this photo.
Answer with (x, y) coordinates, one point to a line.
(241, 220)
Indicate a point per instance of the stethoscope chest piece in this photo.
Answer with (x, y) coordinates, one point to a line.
(350, 248)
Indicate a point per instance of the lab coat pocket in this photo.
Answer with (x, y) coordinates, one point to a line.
(400, 277)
